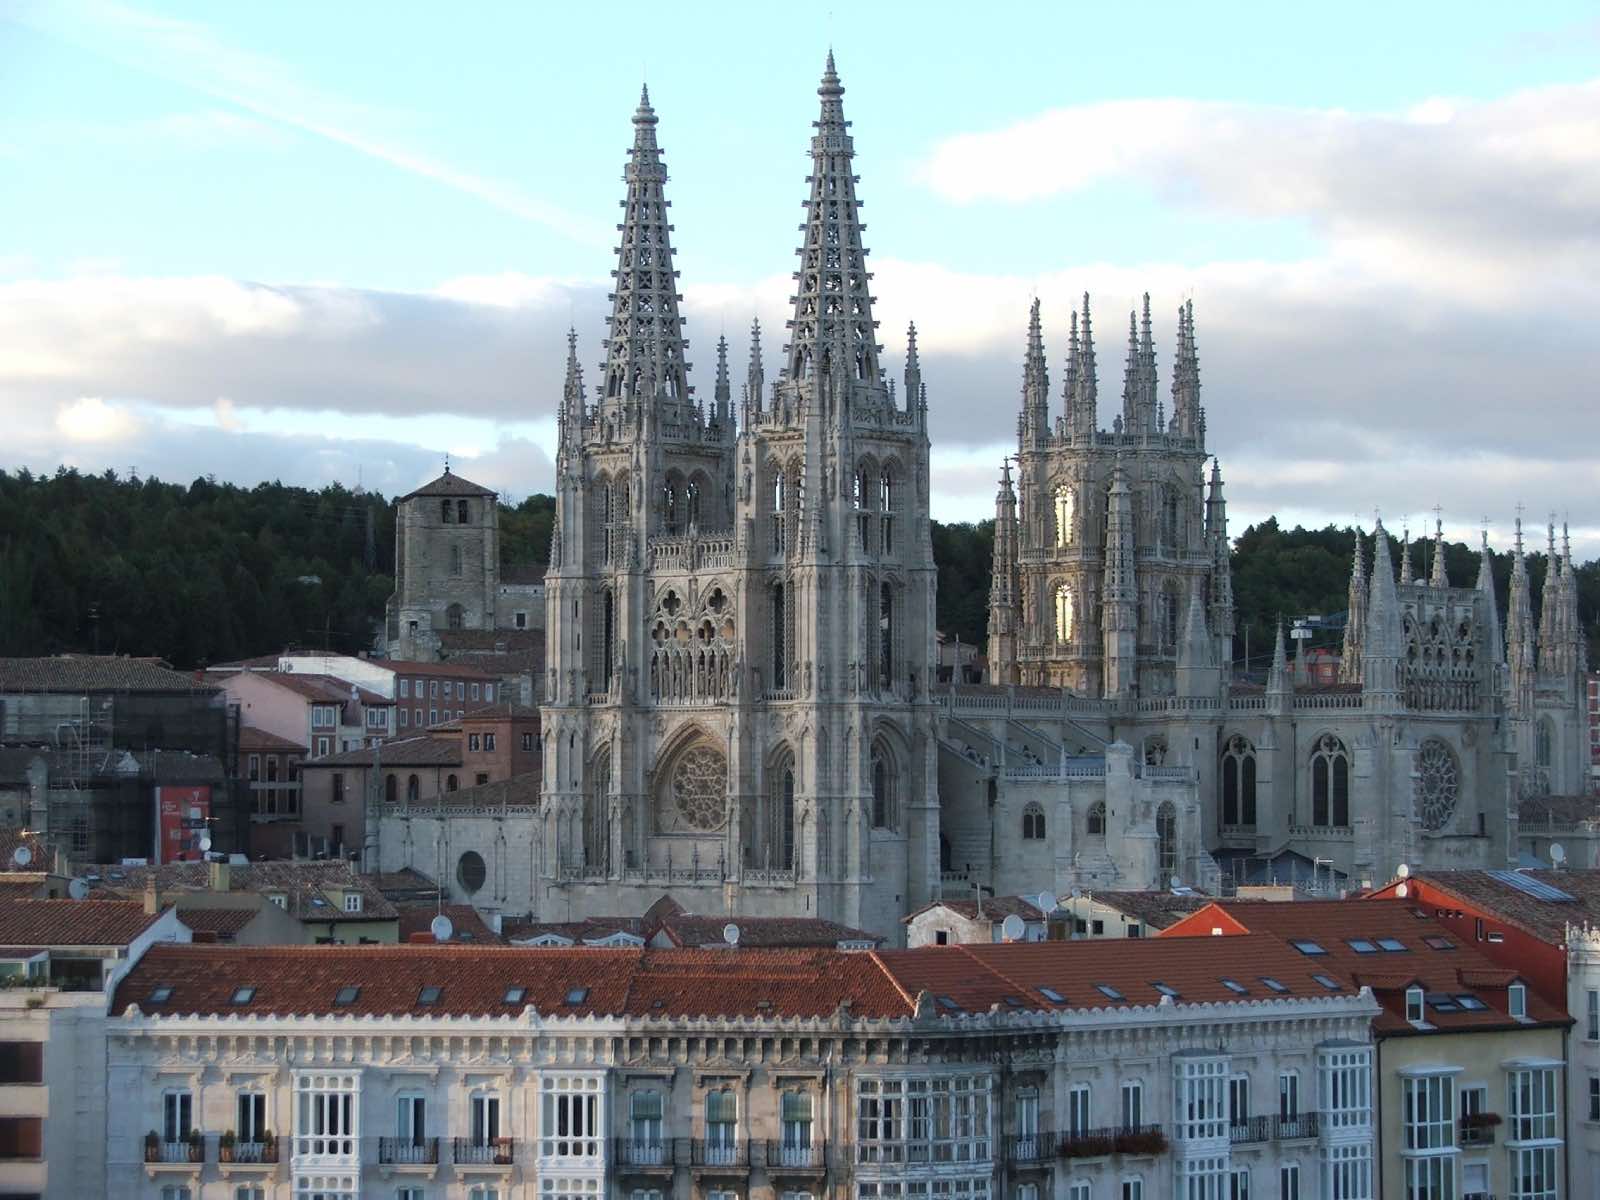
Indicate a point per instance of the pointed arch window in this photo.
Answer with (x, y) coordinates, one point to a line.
(780, 629)
(1066, 511)
(1544, 743)
(692, 505)
(1167, 840)
(1330, 783)
(886, 503)
(1170, 514)
(1033, 822)
(447, 512)
(608, 639)
(779, 487)
(886, 635)
(780, 814)
(1066, 612)
(885, 802)
(455, 616)
(669, 506)
(1238, 782)
(1097, 819)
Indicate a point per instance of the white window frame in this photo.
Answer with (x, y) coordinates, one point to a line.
(1080, 1110)
(1517, 1001)
(177, 1115)
(1347, 1171)
(1344, 1087)
(1132, 1112)
(1532, 1105)
(1200, 1095)
(327, 1119)
(571, 1115)
(1289, 1181)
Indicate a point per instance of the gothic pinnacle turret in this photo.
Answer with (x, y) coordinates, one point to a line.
(570, 413)
(1439, 578)
(1035, 382)
(1279, 680)
(1187, 414)
(1492, 641)
(1355, 617)
(832, 303)
(1082, 400)
(645, 349)
(1405, 555)
(1132, 392)
(723, 392)
(1549, 634)
(1149, 405)
(1519, 633)
(755, 376)
(914, 385)
(1005, 593)
(1383, 646)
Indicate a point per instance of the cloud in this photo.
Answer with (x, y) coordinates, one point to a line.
(91, 419)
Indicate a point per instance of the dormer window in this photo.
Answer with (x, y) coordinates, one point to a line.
(1414, 1004)
(352, 902)
(1517, 1000)
(279, 899)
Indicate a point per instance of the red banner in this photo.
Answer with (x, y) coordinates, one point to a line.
(182, 818)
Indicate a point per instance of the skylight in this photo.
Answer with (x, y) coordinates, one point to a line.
(1362, 946)
(1109, 992)
(1233, 985)
(1439, 943)
(947, 1002)
(1052, 995)
(1012, 1001)
(1274, 984)
(1391, 945)
(429, 995)
(1165, 989)
(242, 995)
(1470, 1003)
(160, 995)
(1441, 1002)
(1306, 946)
(514, 995)
(577, 995)
(1528, 885)
(347, 995)
(1329, 982)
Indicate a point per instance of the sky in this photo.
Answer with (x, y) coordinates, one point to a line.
(324, 243)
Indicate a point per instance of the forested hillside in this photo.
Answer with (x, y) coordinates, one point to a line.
(210, 571)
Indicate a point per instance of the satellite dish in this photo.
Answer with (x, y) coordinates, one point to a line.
(22, 856)
(1403, 871)
(1012, 928)
(78, 889)
(730, 934)
(1175, 883)
(205, 842)
(1558, 853)
(1047, 902)
(441, 928)
(1076, 894)
(1402, 890)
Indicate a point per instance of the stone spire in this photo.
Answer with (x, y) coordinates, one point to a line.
(1196, 674)
(1120, 597)
(645, 349)
(1550, 632)
(915, 390)
(755, 376)
(1493, 644)
(1519, 633)
(1069, 387)
(1035, 383)
(724, 391)
(1149, 407)
(1405, 554)
(1438, 578)
(832, 304)
(1383, 646)
(1577, 644)
(1005, 592)
(1222, 625)
(570, 413)
(1132, 393)
(1186, 411)
(1355, 617)
(1280, 682)
(1082, 379)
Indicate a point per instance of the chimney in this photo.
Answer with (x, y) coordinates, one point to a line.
(152, 898)
(218, 877)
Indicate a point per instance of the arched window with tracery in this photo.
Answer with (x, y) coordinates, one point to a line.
(1066, 612)
(454, 616)
(886, 635)
(1097, 819)
(692, 496)
(780, 632)
(1066, 511)
(1170, 516)
(1544, 743)
(885, 800)
(1330, 783)
(670, 505)
(597, 812)
(1033, 822)
(1167, 840)
(1167, 614)
(1238, 782)
(608, 618)
(1438, 784)
(886, 492)
(779, 487)
(780, 814)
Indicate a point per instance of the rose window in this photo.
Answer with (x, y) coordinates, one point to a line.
(699, 788)
(1438, 784)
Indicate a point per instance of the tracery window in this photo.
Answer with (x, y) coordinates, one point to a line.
(1167, 613)
(886, 503)
(886, 635)
(1066, 612)
(1033, 822)
(885, 806)
(1238, 782)
(1330, 783)
(1167, 840)
(1066, 506)
(697, 789)
(1097, 819)
(1438, 784)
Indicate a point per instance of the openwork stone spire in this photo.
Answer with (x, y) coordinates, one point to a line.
(645, 352)
(1492, 640)
(724, 391)
(756, 375)
(1081, 387)
(1439, 578)
(1355, 625)
(915, 389)
(1519, 631)
(1035, 381)
(1186, 412)
(1550, 608)
(832, 306)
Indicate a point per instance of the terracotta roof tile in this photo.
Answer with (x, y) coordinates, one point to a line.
(688, 930)
(449, 485)
(399, 752)
(94, 673)
(467, 924)
(1155, 910)
(434, 669)
(312, 890)
(224, 922)
(1545, 919)
(995, 908)
(252, 740)
(73, 922)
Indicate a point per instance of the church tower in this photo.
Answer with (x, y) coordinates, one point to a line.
(739, 672)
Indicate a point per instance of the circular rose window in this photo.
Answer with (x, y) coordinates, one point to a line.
(700, 787)
(1438, 784)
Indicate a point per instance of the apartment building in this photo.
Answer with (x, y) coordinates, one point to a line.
(1128, 1069)
(1470, 1058)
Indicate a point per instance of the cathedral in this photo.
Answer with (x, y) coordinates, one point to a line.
(740, 702)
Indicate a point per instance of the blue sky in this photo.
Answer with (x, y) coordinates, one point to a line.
(320, 240)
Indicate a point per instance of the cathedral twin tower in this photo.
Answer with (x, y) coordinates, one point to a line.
(741, 597)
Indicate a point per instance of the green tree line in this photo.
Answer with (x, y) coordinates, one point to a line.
(208, 572)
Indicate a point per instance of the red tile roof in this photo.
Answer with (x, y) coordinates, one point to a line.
(995, 908)
(449, 485)
(324, 689)
(1443, 967)
(1546, 920)
(399, 752)
(435, 669)
(224, 922)
(686, 929)
(467, 924)
(73, 922)
(94, 673)
(259, 741)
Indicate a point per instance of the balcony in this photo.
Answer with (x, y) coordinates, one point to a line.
(1301, 1125)
(649, 1155)
(719, 1155)
(483, 1152)
(408, 1152)
(789, 1158)
(1249, 1131)
(1029, 1149)
(262, 1153)
(1477, 1130)
(1113, 1139)
(183, 1153)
